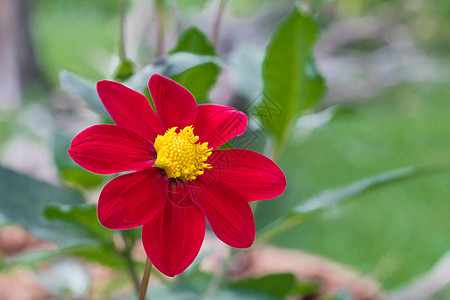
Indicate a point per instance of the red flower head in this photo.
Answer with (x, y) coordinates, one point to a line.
(180, 178)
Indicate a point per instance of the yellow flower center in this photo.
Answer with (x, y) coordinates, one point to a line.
(180, 155)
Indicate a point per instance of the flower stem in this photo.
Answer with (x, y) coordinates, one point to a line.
(159, 11)
(122, 54)
(145, 279)
(218, 21)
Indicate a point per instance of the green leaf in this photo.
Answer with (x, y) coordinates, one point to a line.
(97, 254)
(278, 285)
(106, 256)
(80, 176)
(197, 73)
(181, 61)
(329, 199)
(386, 223)
(139, 80)
(23, 200)
(78, 86)
(193, 40)
(84, 216)
(291, 83)
(125, 70)
(29, 259)
(68, 169)
(82, 222)
(199, 80)
(306, 288)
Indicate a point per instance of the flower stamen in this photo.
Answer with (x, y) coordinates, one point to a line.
(180, 154)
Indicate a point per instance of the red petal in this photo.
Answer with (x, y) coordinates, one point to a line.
(172, 239)
(107, 149)
(131, 200)
(129, 109)
(228, 213)
(218, 124)
(174, 104)
(253, 175)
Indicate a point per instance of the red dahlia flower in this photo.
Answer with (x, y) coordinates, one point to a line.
(180, 178)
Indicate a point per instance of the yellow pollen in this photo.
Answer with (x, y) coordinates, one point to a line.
(180, 155)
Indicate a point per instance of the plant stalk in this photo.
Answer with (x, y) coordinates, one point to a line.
(218, 21)
(122, 54)
(145, 279)
(159, 11)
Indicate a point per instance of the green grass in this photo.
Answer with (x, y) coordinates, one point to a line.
(392, 234)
